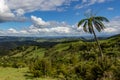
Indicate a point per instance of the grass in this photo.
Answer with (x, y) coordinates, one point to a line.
(17, 74)
(12, 73)
(30, 53)
(38, 52)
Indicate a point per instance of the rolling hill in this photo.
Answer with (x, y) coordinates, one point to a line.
(64, 58)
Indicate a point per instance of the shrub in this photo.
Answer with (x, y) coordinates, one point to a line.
(18, 65)
(41, 67)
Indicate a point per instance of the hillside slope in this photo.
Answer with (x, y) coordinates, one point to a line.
(80, 60)
(71, 60)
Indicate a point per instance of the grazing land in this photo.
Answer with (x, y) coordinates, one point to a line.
(60, 60)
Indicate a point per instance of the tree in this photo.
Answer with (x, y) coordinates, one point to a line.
(90, 24)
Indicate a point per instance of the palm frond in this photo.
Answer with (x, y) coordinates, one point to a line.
(97, 26)
(101, 25)
(81, 22)
(85, 27)
(100, 18)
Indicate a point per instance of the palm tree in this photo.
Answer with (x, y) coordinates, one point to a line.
(90, 24)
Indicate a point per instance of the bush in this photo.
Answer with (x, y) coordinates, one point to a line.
(18, 65)
(41, 67)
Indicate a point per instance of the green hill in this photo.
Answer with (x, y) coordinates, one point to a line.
(80, 60)
(67, 60)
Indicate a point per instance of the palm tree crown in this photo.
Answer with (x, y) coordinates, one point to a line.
(91, 22)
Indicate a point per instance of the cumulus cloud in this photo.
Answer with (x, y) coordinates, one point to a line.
(6, 13)
(61, 29)
(38, 22)
(14, 10)
(43, 28)
(50, 27)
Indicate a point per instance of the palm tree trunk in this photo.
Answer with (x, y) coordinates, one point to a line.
(95, 37)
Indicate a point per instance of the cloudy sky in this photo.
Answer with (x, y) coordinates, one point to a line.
(55, 17)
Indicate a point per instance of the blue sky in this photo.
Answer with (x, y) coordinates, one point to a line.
(55, 17)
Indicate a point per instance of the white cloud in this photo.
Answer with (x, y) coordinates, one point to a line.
(6, 14)
(86, 3)
(38, 22)
(113, 27)
(61, 29)
(110, 8)
(50, 27)
(32, 5)
(19, 12)
(53, 29)
(12, 31)
(88, 12)
(12, 10)
(23, 32)
(110, 30)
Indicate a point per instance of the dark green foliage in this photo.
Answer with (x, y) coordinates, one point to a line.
(79, 61)
(19, 65)
(40, 67)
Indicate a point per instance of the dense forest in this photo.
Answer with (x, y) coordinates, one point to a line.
(66, 60)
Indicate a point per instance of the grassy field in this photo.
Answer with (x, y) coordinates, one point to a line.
(17, 74)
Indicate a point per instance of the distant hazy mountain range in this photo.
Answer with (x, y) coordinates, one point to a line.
(48, 39)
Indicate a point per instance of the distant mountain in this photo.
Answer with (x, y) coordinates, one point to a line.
(117, 35)
(10, 42)
(14, 38)
(47, 38)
